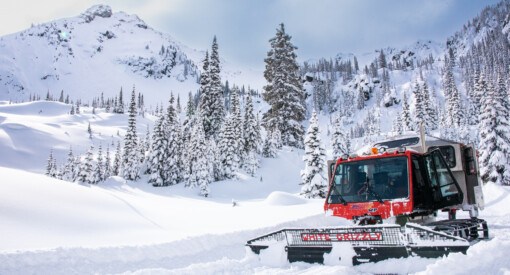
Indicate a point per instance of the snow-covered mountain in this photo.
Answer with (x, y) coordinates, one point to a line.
(493, 20)
(98, 51)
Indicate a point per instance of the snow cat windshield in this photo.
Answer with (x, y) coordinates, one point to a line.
(368, 180)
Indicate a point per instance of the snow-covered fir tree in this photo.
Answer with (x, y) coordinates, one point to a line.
(89, 131)
(398, 127)
(428, 108)
(276, 137)
(130, 158)
(144, 147)
(198, 165)
(237, 124)
(178, 108)
(107, 165)
(86, 173)
(251, 136)
(338, 139)
(419, 112)
(117, 161)
(284, 90)
(495, 135)
(190, 107)
(98, 174)
(119, 104)
(314, 175)
(269, 147)
(173, 163)
(69, 170)
(453, 101)
(51, 166)
(211, 105)
(251, 129)
(406, 115)
(158, 155)
(228, 149)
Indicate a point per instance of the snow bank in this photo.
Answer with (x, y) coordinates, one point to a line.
(38, 108)
(283, 198)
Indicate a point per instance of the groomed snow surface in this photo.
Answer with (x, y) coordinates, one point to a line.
(48, 226)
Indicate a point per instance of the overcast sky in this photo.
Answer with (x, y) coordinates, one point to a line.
(319, 28)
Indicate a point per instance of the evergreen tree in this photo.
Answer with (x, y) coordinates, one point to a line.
(87, 167)
(495, 135)
(430, 122)
(284, 90)
(61, 98)
(269, 147)
(382, 60)
(479, 91)
(69, 171)
(178, 107)
(237, 124)
(98, 174)
(228, 149)
(211, 103)
(276, 137)
(173, 163)
(117, 161)
(338, 142)
(251, 163)
(158, 155)
(119, 107)
(130, 162)
(107, 165)
(251, 132)
(199, 172)
(453, 107)
(190, 107)
(313, 176)
(419, 113)
(398, 127)
(406, 115)
(89, 130)
(51, 167)
(251, 129)
(145, 147)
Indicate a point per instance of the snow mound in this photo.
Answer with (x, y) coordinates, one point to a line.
(114, 181)
(283, 198)
(38, 108)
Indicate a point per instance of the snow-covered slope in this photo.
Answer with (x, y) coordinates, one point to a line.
(28, 131)
(55, 227)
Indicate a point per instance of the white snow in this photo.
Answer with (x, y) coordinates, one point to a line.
(50, 226)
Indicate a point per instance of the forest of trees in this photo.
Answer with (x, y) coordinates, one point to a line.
(212, 143)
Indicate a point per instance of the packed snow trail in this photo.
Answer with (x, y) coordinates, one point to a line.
(174, 255)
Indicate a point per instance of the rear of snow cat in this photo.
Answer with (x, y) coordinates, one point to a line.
(402, 182)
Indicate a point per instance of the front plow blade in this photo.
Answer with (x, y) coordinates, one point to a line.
(360, 244)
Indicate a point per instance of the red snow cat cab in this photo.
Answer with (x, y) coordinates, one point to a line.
(393, 194)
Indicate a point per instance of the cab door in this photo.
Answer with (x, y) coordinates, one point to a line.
(445, 189)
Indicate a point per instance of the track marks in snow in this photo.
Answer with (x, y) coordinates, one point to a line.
(134, 209)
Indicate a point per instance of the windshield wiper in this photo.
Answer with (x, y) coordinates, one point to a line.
(342, 199)
(371, 190)
(335, 192)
